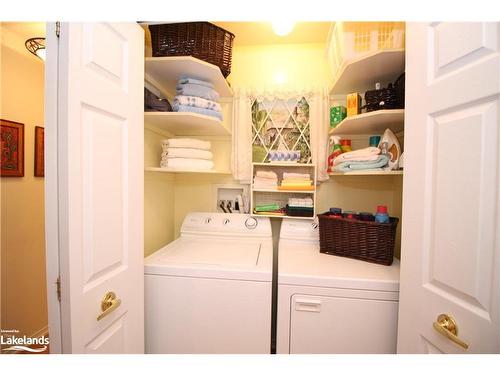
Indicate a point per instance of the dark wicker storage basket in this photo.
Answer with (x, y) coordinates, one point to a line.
(364, 240)
(202, 40)
(381, 99)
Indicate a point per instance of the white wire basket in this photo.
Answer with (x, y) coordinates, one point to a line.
(352, 40)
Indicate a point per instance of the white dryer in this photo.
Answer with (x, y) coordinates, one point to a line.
(209, 291)
(329, 304)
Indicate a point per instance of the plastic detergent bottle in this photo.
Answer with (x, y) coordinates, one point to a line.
(346, 145)
(381, 216)
(336, 151)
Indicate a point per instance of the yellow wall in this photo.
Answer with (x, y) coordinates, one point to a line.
(23, 290)
(286, 66)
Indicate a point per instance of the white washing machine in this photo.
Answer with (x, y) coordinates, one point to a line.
(329, 304)
(209, 291)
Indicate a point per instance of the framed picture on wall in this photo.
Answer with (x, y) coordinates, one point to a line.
(39, 153)
(12, 138)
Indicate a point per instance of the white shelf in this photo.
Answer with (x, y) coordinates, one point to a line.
(280, 197)
(186, 123)
(166, 71)
(286, 216)
(284, 191)
(371, 122)
(368, 173)
(171, 170)
(358, 74)
(284, 164)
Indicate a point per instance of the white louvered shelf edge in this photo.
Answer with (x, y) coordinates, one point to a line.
(172, 170)
(368, 173)
(371, 122)
(380, 66)
(186, 123)
(166, 71)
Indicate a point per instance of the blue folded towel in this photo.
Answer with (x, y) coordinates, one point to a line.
(201, 111)
(184, 80)
(192, 89)
(352, 165)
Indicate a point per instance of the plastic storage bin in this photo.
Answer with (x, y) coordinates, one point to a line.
(351, 40)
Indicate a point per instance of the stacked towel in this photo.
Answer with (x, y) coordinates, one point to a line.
(300, 207)
(377, 164)
(265, 180)
(197, 96)
(269, 209)
(366, 158)
(296, 181)
(365, 154)
(300, 202)
(186, 154)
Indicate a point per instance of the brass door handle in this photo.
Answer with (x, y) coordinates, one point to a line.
(109, 304)
(447, 326)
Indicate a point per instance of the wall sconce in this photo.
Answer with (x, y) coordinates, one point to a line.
(36, 46)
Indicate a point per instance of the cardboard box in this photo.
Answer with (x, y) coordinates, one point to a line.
(353, 104)
(337, 114)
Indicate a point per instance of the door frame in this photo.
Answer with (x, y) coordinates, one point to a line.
(51, 187)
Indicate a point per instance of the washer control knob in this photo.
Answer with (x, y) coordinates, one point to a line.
(225, 221)
(251, 223)
(208, 220)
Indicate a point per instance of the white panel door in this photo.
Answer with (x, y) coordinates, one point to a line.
(450, 256)
(98, 186)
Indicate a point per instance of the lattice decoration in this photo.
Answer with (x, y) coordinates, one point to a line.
(280, 124)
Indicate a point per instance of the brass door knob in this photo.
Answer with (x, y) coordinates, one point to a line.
(447, 326)
(109, 304)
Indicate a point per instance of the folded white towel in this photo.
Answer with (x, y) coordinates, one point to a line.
(187, 143)
(365, 154)
(187, 164)
(190, 153)
(290, 175)
(266, 174)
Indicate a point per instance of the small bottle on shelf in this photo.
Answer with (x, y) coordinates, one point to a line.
(336, 212)
(381, 216)
(346, 145)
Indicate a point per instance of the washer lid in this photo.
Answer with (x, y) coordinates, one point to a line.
(213, 257)
(301, 263)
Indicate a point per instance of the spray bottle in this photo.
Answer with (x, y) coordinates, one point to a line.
(336, 151)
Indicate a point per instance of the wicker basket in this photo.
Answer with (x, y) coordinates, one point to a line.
(363, 240)
(385, 98)
(202, 40)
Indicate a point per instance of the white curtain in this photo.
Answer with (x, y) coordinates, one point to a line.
(241, 160)
(242, 127)
(319, 120)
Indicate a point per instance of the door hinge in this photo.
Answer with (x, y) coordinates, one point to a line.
(58, 28)
(58, 287)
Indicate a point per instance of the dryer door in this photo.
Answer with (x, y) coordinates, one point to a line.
(330, 325)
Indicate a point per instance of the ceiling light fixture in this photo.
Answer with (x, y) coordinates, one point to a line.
(283, 27)
(36, 46)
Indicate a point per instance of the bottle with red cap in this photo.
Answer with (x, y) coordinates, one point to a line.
(381, 216)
